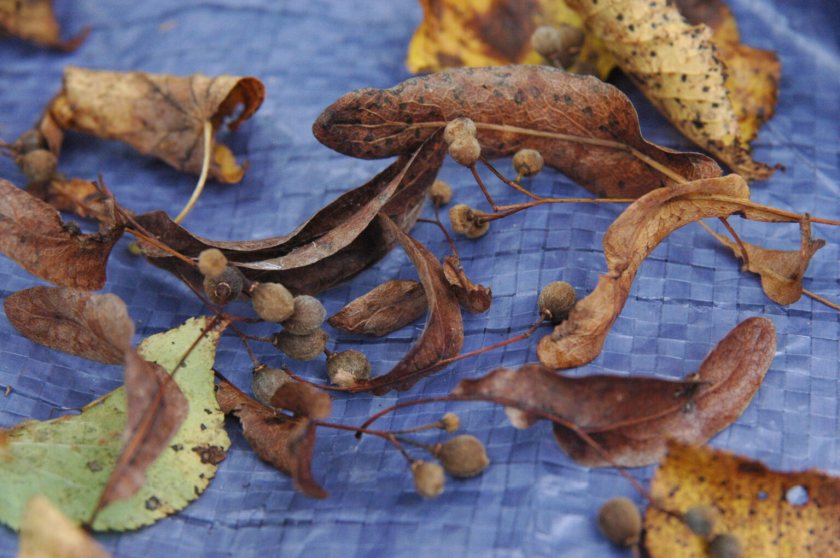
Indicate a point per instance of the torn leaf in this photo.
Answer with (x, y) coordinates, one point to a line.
(386, 308)
(474, 298)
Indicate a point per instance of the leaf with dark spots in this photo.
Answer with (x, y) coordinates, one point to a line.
(474, 298)
(156, 409)
(583, 127)
(781, 271)
(303, 400)
(630, 419)
(34, 21)
(92, 326)
(388, 307)
(443, 334)
(33, 235)
(284, 442)
(628, 241)
(157, 114)
(362, 241)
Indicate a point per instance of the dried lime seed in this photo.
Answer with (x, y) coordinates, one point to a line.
(556, 300)
(465, 150)
(450, 422)
(440, 192)
(301, 347)
(700, 519)
(308, 316)
(224, 287)
(461, 217)
(211, 262)
(428, 478)
(38, 166)
(266, 381)
(348, 368)
(458, 128)
(272, 302)
(477, 230)
(528, 162)
(546, 40)
(28, 141)
(726, 545)
(620, 521)
(463, 456)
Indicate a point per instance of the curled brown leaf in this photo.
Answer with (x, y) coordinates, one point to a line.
(605, 420)
(34, 21)
(583, 127)
(92, 326)
(33, 235)
(385, 309)
(474, 298)
(157, 114)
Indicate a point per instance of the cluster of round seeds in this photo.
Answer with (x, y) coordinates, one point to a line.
(460, 135)
(348, 368)
(620, 521)
(701, 520)
(465, 221)
(556, 300)
(222, 282)
(528, 162)
(302, 337)
(558, 45)
(266, 381)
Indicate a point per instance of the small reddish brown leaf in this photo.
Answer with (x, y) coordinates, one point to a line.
(92, 326)
(32, 234)
(156, 409)
(443, 334)
(157, 114)
(628, 241)
(34, 21)
(583, 127)
(630, 419)
(79, 196)
(302, 400)
(284, 442)
(781, 271)
(474, 298)
(387, 308)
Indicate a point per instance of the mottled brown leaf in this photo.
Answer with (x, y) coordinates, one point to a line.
(34, 21)
(583, 127)
(339, 260)
(750, 501)
(443, 334)
(284, 442)
(157, 114)
(33, 235)
(781, 271)
(156, 409)
(45, 532)
(631, 418)
(385, 309)
(628, 241)
(92, 326)
(474, 298)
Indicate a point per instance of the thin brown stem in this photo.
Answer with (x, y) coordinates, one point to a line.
(484, 190)
(818, 298)
(511, 183)
(389, 436)
(745, 257)
(437, 222)
(160, 246)
(314, 384)
(244, 339)
(202, 178)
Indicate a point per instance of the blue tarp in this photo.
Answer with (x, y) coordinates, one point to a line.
(533, 500)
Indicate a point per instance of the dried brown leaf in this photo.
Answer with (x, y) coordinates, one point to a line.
(628, 241)
(474, 298)
(45, 532)
(33, 235)
(92, 326)
(34, 21)
(443, 334)
(781, 271)
(284, 442)
(156, 409)
(583, 127)
(302, 400)
(630, 419)
(385, 309)
(157, 114)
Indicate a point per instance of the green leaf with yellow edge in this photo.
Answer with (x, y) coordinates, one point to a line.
(69, 459)
(750, 501)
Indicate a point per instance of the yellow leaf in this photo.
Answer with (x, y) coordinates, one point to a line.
(751, 502)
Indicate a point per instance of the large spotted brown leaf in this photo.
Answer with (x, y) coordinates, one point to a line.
(157, 114)
(583, 127)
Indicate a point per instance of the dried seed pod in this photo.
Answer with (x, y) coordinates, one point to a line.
(225, 287)
(558, 45)
(450, 422)
(528, 162)
(464, 221)
(700, 519)
(28, 141)
(465, 150)
(440, 192)
(546, 40)
(301, 347)
(458, 128)
(273, 302)
(308, 316)
(463, 456)
(212, 263)
(556, 300)
(348, 368)
(38, 165)
(726, 545)
(428, 478)
(266, 381)
(620, 521)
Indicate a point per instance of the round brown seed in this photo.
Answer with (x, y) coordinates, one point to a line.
(463, 456)
(620, 521)
(273, 302)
